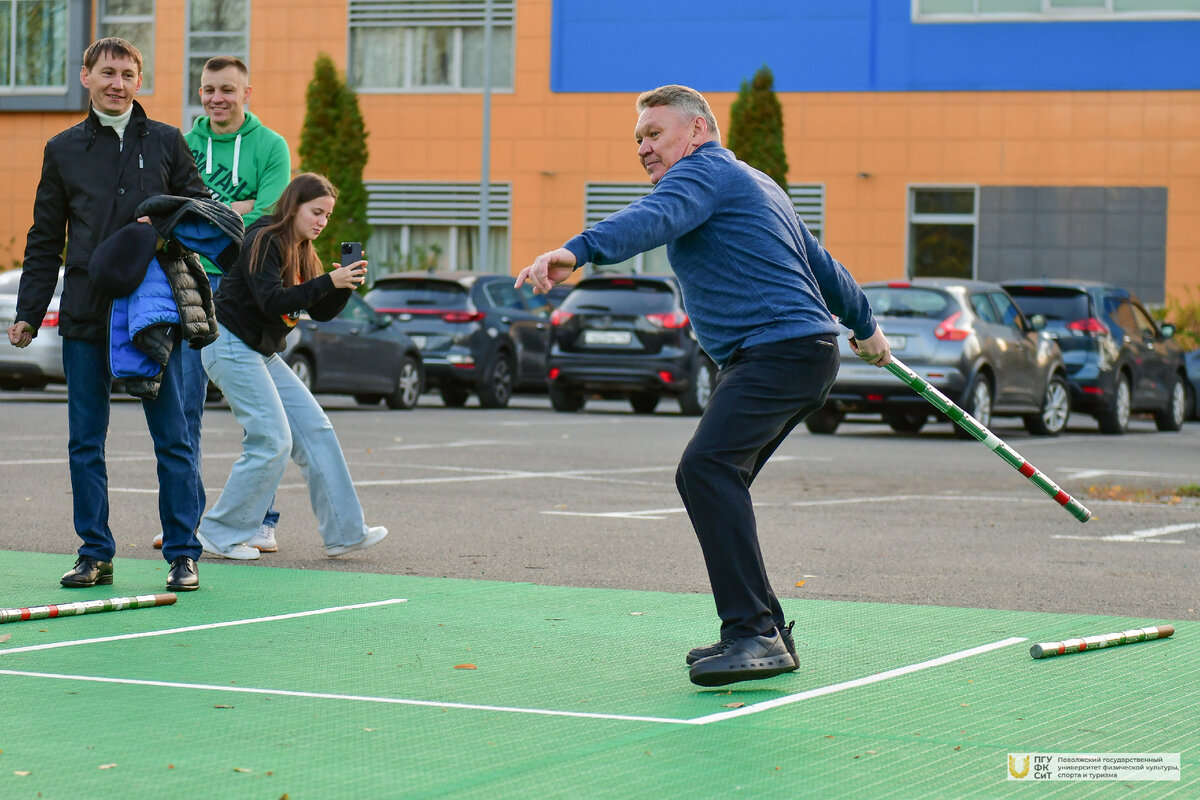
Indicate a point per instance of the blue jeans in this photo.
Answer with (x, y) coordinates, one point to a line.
(196, 382)
(281, 417)
(89, 392)
(762, 393)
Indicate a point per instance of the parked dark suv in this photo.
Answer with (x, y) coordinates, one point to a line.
(627, 336)
(476, 332)
(1119, 361)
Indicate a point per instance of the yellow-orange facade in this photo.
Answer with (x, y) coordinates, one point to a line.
(865, 148)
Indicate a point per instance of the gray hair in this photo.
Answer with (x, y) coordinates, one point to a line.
(686, 101)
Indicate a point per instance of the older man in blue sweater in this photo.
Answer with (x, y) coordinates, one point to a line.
(762, 294)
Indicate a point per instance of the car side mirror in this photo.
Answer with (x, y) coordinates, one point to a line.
(1037, 322)
(1167, 329)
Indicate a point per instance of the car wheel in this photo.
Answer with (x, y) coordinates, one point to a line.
(824, 420)
(303, 367)
(408, 386)
(1056, 408)
(566, 400)
(368, 399)
(495, 390)
(978, 404)
(644, 402)
(1115, 418)
(905, 420)
(1171, 417)
(700, 388)
(454, 395)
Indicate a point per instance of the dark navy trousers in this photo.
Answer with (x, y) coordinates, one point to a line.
(762, 393)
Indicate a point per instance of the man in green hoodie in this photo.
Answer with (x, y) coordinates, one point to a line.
(246, 166)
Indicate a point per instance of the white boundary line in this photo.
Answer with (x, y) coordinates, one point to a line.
(207, 626)
(705, 720)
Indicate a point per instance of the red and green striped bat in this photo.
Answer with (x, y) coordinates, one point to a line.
(991, 440)
(86, 607)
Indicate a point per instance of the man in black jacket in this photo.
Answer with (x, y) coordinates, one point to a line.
(94, 175)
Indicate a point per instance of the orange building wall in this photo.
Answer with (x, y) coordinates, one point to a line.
(549, 145)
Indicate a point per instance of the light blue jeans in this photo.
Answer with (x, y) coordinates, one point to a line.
(280, 417)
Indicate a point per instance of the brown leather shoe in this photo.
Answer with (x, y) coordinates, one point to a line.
(88, 572)
(183, 576)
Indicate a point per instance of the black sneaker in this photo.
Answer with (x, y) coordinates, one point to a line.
(697, 653)
(750, 658)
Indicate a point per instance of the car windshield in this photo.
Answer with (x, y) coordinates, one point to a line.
(626, 296)
(908, 301)
(1051, 303)
(418, 294)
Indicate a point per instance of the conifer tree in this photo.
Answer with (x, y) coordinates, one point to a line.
(333, 142)
(756, 127)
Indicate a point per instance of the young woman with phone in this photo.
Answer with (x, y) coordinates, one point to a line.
(278, 275)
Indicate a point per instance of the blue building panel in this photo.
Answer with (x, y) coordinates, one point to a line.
(856, 46)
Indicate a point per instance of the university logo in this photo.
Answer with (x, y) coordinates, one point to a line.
(1018, 773)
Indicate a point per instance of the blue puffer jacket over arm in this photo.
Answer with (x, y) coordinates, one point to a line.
(136, 323)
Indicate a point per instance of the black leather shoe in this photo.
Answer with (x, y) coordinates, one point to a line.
(697, 653)
(88, 572)
(183, 576)
(750, 658)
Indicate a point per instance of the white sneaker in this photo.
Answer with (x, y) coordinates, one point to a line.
(263, 539)
(238, 552)
(371, 536)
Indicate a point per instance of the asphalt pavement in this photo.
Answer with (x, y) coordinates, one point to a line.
(588, 499)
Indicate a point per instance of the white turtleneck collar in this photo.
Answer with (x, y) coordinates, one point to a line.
(117, 123)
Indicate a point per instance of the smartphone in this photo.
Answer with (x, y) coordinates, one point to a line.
(351, 252)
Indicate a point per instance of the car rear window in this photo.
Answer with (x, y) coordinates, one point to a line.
(1053, 303)
(418, 294)
(909, 301)
(627, 296)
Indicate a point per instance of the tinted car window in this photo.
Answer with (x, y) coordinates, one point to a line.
(419, 293)
(1143, 321)
(895, 301)
(1009, 314)
(1067, 305)
(1121, 311)
(633, 297)
(357, 311)
(502, 295)
(984, 308)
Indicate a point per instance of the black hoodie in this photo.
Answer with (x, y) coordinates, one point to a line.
(255, 305)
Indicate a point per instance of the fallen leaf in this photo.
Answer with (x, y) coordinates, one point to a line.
(220, 706)
(107, 766)
(733, 705)
(369, 730)
(959, 747)
(4, 637)
(241, 769)
(465, 666)
(800, 583)
(22, 773)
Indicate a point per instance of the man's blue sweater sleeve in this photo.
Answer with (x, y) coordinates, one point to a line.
(842, 294)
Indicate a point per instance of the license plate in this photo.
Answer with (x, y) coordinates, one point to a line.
(418, 340)
(607, 337)
(897, 342)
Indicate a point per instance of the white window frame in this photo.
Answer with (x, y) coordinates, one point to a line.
(914, 218)
(407, 16)
(1101, 11)
(103, 19)
(450, 205)
(191, 100)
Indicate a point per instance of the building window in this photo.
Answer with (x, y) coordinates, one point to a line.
(603, 199)
(40, 46)
(1051, 10)
(133, 21)
(942, 224)
(435, 226)
(214, 28)
(419, 46)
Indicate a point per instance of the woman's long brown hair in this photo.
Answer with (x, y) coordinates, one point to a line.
(299, 257)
